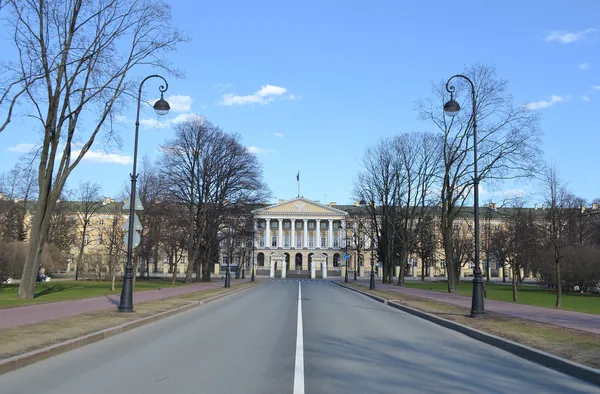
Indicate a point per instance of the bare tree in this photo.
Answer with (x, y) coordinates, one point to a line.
(508, 145)
(88, 202)
(74, 60)
(18, 187)
(562, 205)
(114, 245)
(212, 174)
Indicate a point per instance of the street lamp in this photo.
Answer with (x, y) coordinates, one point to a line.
(161, 107)
(252, 276)
(345, 253)
(372, 281)
(451, 108)
(356, 263)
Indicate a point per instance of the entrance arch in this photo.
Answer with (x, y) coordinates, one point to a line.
(287, 261)
(336, 260)
(298, 261)
(261, 259)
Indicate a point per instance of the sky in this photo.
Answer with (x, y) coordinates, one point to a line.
(308, 85)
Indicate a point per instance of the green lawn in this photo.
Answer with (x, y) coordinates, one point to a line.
(72, 290)
(527, 294)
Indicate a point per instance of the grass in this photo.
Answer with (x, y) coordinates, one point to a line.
(19, 340)
(527, 294)
(72, 290)
(574, 345)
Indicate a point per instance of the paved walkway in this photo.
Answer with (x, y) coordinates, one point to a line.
(31, 314)
(558, 317)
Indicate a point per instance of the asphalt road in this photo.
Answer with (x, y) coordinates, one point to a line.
(249, 343)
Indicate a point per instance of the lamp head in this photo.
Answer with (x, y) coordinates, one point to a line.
(451, 108)
(161, 107)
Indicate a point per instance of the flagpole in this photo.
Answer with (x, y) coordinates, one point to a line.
(298, 181)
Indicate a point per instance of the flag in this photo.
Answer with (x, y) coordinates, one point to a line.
(298, 177)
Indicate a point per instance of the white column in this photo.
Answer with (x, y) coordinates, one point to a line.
(324, 269)
(280, 241)
(293, 240)
(313, 272)
(330, 241)
(305, 244)
(342, 234)
(283, 268)
(318, 242)
(255, 234)
(272, 273)
(268, 232)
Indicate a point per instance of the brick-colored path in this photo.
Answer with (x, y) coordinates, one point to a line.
(30, 314)
(558, 317)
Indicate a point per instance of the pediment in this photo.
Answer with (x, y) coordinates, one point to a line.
(300, 207)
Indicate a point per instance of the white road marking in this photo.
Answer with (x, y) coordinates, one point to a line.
(299, 370)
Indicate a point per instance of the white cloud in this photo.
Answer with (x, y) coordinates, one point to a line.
(104, 157)
(278, 135)
(597, 87)
(21, 148)
(180, 103)
(585, 97)
(254, 149)
(166, 123)
(264, 95)
(565, 37)
(155, 123)
(220, 87)
(545, 104)
(585, 66)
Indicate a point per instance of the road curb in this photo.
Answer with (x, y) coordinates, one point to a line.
(580, 371)
(22, 360)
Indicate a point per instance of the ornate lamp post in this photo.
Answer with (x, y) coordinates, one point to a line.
(252, 276)
(161, 107)
(372, 281)
(451, 108)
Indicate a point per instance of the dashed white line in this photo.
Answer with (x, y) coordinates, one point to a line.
(299, 369)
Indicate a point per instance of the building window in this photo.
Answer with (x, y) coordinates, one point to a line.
(311, 225)
(262, 241)
(225, 259)
(336, 242)
(286, 225)
(274, 241)
(261, 224)
(323, 241)
(102, 222)
(286, 241)
(273, 224)
(100, 238)
(336, 261)
(497, 228)
(298, 224)
(299, 241)
(443, 264)
(323, 224)
(86, 240)
(311, 242)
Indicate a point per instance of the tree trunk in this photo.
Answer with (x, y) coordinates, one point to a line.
(514, 284)
(112, 287)
(206, 271)
(39, 232)
(80, 256)
(198, 271)
(503, 273)
(558, 284)
(423, 269)
(403, 259)
(449, 252)
(173, 263)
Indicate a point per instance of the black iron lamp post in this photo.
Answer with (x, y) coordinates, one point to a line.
(372, 281)
(345, 253)
(451, 108)
(252, 276)
(161, 107)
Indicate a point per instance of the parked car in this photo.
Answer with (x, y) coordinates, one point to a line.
(8, 281)
(43, 278)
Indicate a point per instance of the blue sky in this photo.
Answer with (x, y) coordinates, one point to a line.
(309, 84)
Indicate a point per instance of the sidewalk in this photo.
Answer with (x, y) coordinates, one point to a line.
(31, 314)
(558, 317)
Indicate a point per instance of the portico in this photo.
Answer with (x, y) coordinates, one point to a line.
(288, 234)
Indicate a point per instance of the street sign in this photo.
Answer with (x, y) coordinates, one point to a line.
(137, 206)
(347, 256)
(137, 225)
(136, 239)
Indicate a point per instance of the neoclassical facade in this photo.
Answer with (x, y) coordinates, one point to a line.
(292, 234)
